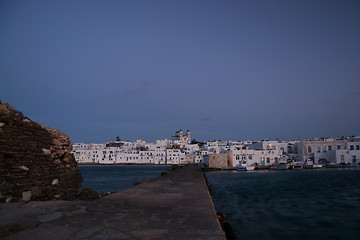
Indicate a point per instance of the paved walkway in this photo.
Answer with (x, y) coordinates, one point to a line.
(174, 206)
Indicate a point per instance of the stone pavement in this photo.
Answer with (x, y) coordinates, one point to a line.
(173, 206)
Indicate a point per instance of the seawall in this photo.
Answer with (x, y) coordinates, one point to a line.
(174, 206)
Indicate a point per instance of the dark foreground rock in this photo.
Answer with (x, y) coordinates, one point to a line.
(88, 194)
(35, 161)
(174, 206)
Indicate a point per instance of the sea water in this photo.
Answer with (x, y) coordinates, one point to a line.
(299, 204)
(115, 178)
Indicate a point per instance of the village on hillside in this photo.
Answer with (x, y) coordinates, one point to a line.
(241, 155)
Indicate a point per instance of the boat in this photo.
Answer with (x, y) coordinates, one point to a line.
(250, 168)
(282, 166)
(309, 164)
(240, 168)
(317, 166)
(297, 166)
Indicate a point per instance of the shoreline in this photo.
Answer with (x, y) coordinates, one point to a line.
(209, 169)
(121, 164)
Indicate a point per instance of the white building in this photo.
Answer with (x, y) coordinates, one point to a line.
(308, 148)
(160, 155)
(264, 153)
(175, 156)
(350, 155)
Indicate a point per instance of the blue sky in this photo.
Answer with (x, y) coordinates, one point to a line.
(222, 69)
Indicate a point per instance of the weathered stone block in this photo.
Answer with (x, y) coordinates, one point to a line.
(26, 196)
(46, 151)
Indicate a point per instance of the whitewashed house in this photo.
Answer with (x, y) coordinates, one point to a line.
(175, 156)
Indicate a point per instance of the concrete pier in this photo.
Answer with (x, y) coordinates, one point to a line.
(174, 206)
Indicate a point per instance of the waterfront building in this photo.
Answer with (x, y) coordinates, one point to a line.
(83, 156)
(350, 155)
(338, 157)
(308, 148)
(175, 156)
(259, 154)
(218, 160)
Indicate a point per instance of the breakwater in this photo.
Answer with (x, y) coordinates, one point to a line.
(174, 206)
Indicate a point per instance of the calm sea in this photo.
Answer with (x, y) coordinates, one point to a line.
(119, 177)
(304, 204)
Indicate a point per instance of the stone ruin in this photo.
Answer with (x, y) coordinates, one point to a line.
(36, 162)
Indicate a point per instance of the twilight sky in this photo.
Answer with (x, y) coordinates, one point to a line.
(136, 69)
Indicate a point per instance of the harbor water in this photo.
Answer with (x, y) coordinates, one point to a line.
(302, 204)
(115, 178)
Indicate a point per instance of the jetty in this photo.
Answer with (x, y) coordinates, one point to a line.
(176, 205)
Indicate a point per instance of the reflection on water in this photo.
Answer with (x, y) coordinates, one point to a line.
(306, 204)
(119, 177)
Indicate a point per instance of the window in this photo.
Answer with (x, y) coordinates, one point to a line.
(338, 147)
(351, 147)
(357, 147)
(309, 149)
(318, 149)
(329, 148)
(324, 149)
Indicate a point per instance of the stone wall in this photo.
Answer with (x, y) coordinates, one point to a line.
(35, 161)
(218, 160)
